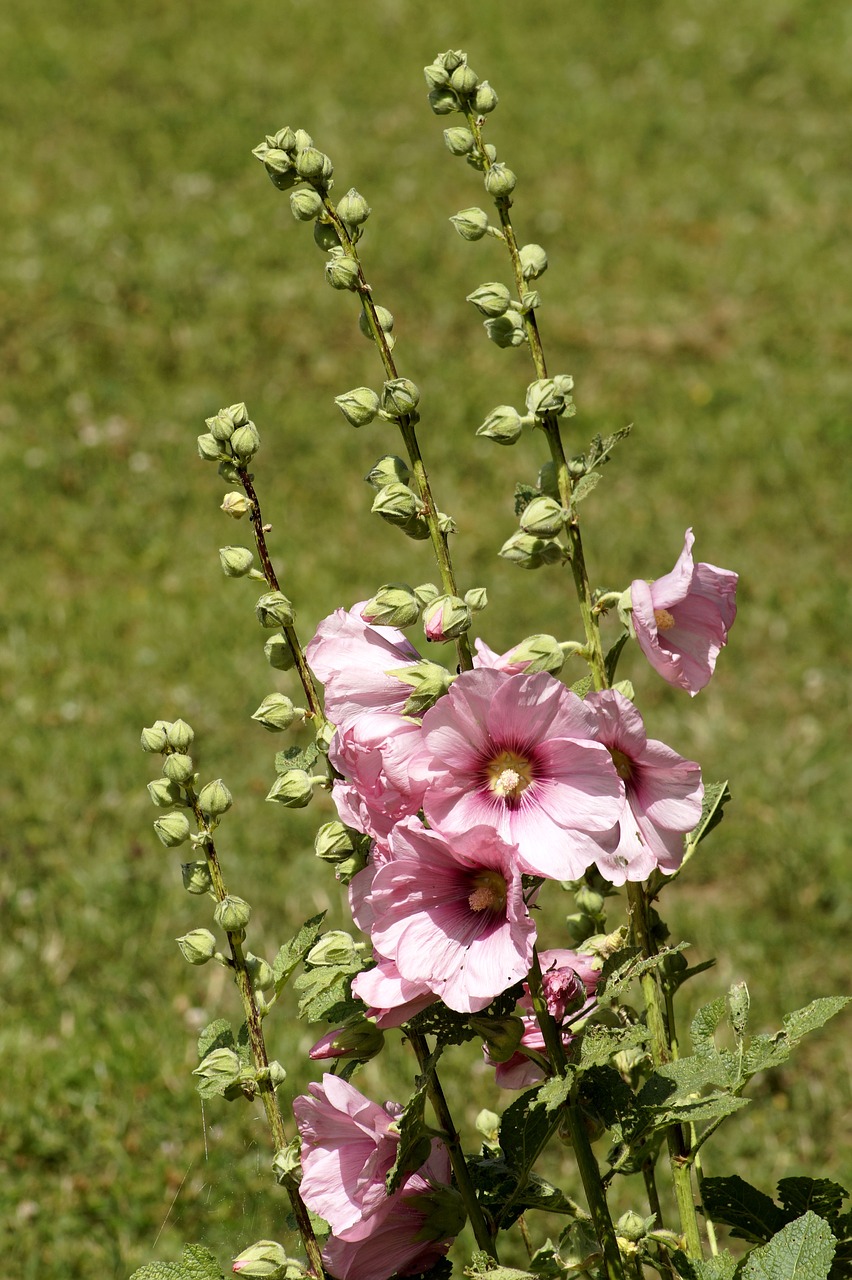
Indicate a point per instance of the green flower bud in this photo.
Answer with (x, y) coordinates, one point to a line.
(173, 829)
(530, 300)
(393, 605)
(507, 330)
(397, 504)
(632, 1226)
(443, 101)
(277, 1073)
(485, 99)
(280, 168)
(208, 447)
(476, 599)
(446, 618)
(417, 528)
(538, 653)
(399, 397)
(476, 161)
(164, 793)
(342, 273)
(464, 80)
(305, 204)
(589, 900)
(267, 1259)
(388, 470)
(451, 59)
(501, 1036)
(500, 181)
(384, 318)
(301, 140)
(360, 1039)
(426, 593)
(154, 738)
(179, 768)
(215, 799)
(459, 141)
(229, 471)
(543, 397)
(488, 1124)
(310, 164)
(358, 406)
(491, 299)
(235, 505)
(279, 654)
(273, 609)
(287, 1165)
(471, 224)
(238, 413)
(529, 552)
(437, 77)
(232, 913)
(503, 425)
(197, 947)
(326, 237)
(220, 1065)
(543, 517)
(275, 713)
(353, 208)
(235, 561)
(221, 426)
(428, 681)
(260, 973)
(334, 842)
(245, 442)
(293, 789)
(444, 1210)
(335, 949)
(180, 735)
(533, 261)
(196, 876)
(738, 1004)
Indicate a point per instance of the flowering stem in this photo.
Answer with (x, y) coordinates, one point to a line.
(484, 1237)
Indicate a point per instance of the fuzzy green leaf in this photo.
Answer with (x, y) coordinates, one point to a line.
(601, 447)
(584, 486)
(749, 1213)
(605, 1092)
(196, 1263)
(296, 758)
(293, 952)
(798, 1195)
(599, 1043)
(216, 1035)
(326, 995)
(582, 686)
(413, 1138)
(716, 796)
(722, 1267)
(769, 1051)
(524, 494)
(803, 1250)
(525, 1128)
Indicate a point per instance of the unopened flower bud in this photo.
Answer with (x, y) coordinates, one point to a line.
(361, 1039)
(277, 1072)
(543, 397)
(437, 76)
(232, 913)
(222, 426)
(393, 605)
(443, 101)
(172, 829)
(501, 1036)
(471, 224)
(260, 973)
(443, 1208)
(236, 561)
(476, 599)
(491, 299)
(154, 738)
(325, 236)
(451, 59)
(544, 517)
(396, 503)
(417, 528)
(500, 181)
(266, 1260)
(235, 505)
(384, 317)
(178, 767)
(342, 273)
(538, 653)
(179, 735)
(208, 447)
(476, 160)
(400, 396)
(446, 618)
(533, 261)
(333, 842)
(503, 425)
(507, 330)
(301, 140)
(529, 552)
(285, 139)
(353, 208)
(488, 1124)
(275, 713)
(245, 442)
(388, 470)
(428, 681)
(485, 99)
(215, 799)
(358, 406)
(310, 163)
(459, 141)
(426, 593)
(196, 876)
(305, 204)
(164, 793)
(273, 609)
(464, 80)
(197, 947)
(229, 471)
(335, 949)
(632, 1226)
(220, 1065)
(293, 789)
(738, 1004)
(279, 654)
(280, 168)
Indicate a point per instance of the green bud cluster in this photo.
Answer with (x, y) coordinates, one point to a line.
(290, 157)
(231, 439)
(454, 86)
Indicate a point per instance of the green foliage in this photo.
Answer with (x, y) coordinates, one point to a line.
(803, 1250)
(292, 953)
(196, 1263)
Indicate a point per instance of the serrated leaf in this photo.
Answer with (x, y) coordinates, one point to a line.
(296, 758)
(716, 796)
(524, 494)
(618, 972)
(584, 486)
(582, 687)
(412, 1137)
(803, 1250)
(749, 1213)
(715, 1107)
(525, 1129)
(216, 1035)
(722, 1267)
(705, 1024)
(765, 1051)
(555, 1092)
(797, 1195)
(605, 1091)
(326, 995)
(292, 953)
(600, 449)
(196, 1263)
(600, 1043)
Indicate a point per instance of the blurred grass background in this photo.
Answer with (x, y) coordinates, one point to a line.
(686, 167)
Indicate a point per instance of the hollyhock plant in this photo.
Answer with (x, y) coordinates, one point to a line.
(451, 913)
(390, 998)
(664, 793)
(352, 659)
(682, 619)
(517, 753)
(373, 754)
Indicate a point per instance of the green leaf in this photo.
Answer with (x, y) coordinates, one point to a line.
(627, 964)
(600, 1043)
(524, 494)
(413, 1138)
(584, 486)
(614, 653)
(769, 1051)
(524, 1130)
(716, 796)
(803, 1250)
(555, 1092)
(798, 1195)
(296, 758)
(217, 1035)
(601, 448)
(326, 995)
(722, 1267)
(196, 1263)
(611, 1098)
(293, 952)
(749, 1213)
(582, 687)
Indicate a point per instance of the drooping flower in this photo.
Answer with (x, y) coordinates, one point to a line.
(664, 793)
(682, 619)
(450, 913)
(373, 754)
(352, 659)
(517, 753)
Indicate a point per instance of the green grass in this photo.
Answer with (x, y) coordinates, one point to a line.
(684, 166)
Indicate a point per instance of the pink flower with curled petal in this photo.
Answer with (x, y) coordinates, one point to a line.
(373, 753)
(352, 659)
(450, 913)
(518, 753)
(682, 619)
(390, 998)
(664, 793)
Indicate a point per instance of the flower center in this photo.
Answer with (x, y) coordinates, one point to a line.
(509, 775)
(488, 893)
(623, 764)
(663, 619)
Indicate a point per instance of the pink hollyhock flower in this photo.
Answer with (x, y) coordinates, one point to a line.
(517, 753)
(664, 793)
(390, 998)
(352, 659)
(451, 913)
(374, 753)
(682, 619)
